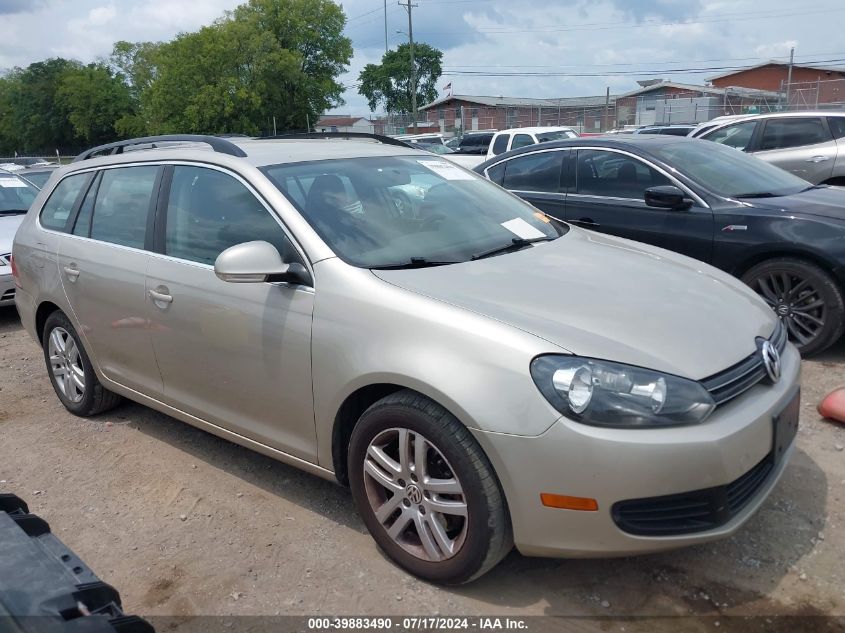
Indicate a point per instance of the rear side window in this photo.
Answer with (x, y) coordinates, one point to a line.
(785, 133)
(500, 144)
(521, 140)
(123, 204)
(497, 173)
(534, 172)
(209, 211)
(837, 126)
(57, 210)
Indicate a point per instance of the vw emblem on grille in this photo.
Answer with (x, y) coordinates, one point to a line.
(771, 360)
(414, 495)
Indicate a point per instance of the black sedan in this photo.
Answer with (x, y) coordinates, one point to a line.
(778, 233)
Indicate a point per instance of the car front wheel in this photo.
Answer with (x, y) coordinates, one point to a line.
(806, 298)
(426, 491)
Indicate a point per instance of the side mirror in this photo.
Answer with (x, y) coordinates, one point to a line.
(257, 262)
(666, 197)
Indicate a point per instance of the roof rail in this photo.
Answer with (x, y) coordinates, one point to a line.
(216, 143)
(381, 138)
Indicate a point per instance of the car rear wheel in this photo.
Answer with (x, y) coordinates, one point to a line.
(426, 491)
(70, 370)
(806, 298)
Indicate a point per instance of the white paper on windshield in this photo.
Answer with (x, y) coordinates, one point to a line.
(447, 170)
(521, 228)
(11, 183)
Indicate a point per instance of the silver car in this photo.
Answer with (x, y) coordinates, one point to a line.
(15, 197)
(479, 374)
(808, 144)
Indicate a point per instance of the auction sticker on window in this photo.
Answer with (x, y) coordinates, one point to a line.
(446, 170)
(521, 228)
(12, 183)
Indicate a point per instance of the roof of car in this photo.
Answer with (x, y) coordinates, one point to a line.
(801, 113)
(258, 152)
(536, 130)
(627, 141)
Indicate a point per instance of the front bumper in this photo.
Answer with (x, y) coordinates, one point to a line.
(7, 290)
(614, 465)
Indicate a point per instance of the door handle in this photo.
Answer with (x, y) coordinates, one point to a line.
(161, 297)
(72, 272)
(818, 159)
(585, 222)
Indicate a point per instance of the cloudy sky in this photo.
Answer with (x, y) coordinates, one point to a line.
(530, 48)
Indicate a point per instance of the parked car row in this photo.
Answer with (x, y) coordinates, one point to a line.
(274, 292)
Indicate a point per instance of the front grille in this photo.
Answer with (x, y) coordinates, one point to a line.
(690, 512)
(728, 384)
(8, 295)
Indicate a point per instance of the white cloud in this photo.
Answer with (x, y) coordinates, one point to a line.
(601, 38)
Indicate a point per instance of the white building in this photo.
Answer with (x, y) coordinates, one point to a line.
(337, 123)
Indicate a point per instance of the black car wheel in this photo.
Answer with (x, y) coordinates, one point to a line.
(426, 490)
(805, 297)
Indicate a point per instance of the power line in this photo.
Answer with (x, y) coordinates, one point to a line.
(692, 61)
(609, 26)
(614, 73)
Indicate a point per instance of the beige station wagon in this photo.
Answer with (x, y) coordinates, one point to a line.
(479, 374)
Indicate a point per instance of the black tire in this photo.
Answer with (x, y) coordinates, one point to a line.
(95, 398)
(805, 297)
(487, 537)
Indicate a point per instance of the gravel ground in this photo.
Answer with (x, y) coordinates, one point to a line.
(184, 523)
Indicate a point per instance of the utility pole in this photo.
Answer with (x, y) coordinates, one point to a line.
(385, 26)
(606, 109)
(789, 75)
(407, 4)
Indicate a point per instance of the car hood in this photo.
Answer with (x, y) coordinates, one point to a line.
(822, 201)
(8, 227)
(605, 297)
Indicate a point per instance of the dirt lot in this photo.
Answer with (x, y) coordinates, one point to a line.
(184, 523)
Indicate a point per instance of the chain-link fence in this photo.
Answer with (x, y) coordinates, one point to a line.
(459, 120)
(828, 94)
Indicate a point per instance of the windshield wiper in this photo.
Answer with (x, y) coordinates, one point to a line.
(414, 262)
(517, 243)
(758, 194)
(13, 211)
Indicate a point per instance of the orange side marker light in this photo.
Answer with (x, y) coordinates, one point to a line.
(565, 502)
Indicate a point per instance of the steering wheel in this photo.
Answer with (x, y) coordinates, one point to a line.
(431, 222)
(402, 205)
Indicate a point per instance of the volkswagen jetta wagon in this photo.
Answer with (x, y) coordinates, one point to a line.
(479, 374)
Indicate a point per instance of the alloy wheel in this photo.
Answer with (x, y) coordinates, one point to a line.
(415, 494)
(796, 301)
(66, 364)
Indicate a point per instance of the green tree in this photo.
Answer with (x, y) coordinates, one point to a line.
(267, 58)
(34, 117)
(389, 83)
(94, 100)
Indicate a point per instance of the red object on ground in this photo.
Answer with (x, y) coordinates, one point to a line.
(833, 405)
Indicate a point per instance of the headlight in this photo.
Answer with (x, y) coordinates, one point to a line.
(603, 393)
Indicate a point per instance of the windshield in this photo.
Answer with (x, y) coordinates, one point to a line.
(543, 137)
(728, 172)
(408, 210)
(15, 195)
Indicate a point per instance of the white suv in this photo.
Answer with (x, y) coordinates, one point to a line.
(524, 136)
